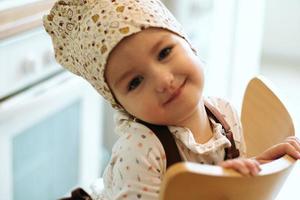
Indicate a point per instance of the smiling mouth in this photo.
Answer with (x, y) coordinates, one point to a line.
(175, 94)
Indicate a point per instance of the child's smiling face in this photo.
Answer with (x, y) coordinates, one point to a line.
(156, 77)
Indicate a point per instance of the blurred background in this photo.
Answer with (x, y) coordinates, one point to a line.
(56, 133)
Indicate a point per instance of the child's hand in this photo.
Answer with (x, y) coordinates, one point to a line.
(290, 146)
(245, 166)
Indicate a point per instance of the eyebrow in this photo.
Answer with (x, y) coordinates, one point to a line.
(123, 77)
(152, 51)
(158, 44)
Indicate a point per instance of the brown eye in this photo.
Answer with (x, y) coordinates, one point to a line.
(164, 53)
(135, 82)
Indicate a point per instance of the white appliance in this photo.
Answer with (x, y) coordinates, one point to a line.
(50, 123)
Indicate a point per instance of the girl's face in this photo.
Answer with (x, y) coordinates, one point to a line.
(156, 77)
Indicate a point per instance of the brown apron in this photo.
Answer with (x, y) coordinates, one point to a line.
(167, 140)
(172, 153)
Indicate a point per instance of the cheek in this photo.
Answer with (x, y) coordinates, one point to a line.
(195, 69)
(200, 74)
(145, 109)
(138, 105)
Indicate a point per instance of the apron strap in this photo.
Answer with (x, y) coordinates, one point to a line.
(230, 152)
(167, 140)
(78, 194)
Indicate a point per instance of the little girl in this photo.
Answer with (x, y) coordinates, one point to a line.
(136, 55)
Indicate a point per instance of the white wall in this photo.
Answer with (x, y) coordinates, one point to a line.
(281, 40)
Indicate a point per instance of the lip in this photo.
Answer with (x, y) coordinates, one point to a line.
(175, 94)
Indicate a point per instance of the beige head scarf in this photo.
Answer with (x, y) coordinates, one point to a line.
(84, 32)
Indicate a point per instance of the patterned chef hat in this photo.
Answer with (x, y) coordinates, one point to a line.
(84, 32)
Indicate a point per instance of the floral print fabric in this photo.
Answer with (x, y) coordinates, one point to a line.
(84, 32)
(138, 161)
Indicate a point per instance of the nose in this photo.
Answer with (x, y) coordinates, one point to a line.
(164, 80)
